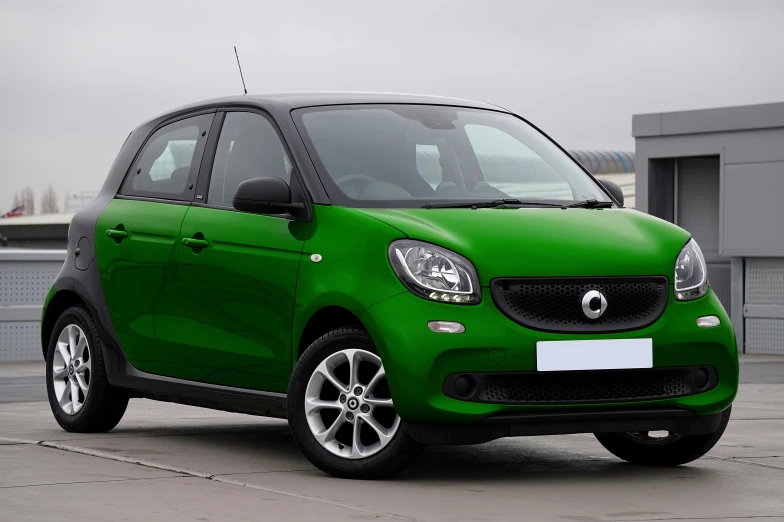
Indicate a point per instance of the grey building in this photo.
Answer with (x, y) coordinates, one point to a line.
(719, 173)
(25, 278)
(42, 232)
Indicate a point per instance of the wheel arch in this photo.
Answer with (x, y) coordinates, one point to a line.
(324, 320)
(60, 302)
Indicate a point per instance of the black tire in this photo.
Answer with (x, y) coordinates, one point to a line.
(675, 453)
(399, 453)
(104, 405)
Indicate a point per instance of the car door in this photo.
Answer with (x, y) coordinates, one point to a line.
(238, 271)
(136, 250)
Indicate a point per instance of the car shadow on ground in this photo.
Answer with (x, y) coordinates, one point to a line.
(508, 460)
(525, 462)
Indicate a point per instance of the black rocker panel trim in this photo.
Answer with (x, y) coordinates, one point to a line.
(217, 397)
(123, 374)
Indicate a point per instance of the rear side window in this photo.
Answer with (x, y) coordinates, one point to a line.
(249, 147)
(168, 164)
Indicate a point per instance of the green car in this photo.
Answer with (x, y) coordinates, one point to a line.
(386, 272)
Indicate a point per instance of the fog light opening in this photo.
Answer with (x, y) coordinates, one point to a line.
(464, 386)
(708, 321)
(701, 378)
(446, 327)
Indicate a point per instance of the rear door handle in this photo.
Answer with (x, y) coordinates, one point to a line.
(191, 242)
(117, 234)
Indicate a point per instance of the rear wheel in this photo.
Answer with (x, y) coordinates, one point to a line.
(341, 412)
(79, 393)
(661, 448)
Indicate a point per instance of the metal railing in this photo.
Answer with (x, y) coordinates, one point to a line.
(25, 278)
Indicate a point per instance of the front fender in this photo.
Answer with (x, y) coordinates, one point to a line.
(304, 312)
(352, 270)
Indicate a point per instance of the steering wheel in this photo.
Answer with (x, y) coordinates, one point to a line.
(353, 184)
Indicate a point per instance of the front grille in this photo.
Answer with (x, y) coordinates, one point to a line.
(555, 305)
(580, 387)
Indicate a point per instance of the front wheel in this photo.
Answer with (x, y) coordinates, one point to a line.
(661, 449)
(341, 412)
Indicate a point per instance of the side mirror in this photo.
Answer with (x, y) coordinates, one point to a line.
(264, 196)
(614, 190)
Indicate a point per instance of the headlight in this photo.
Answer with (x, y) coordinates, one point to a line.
(691, 277)
(435, 273)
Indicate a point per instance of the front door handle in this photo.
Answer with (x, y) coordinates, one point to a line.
(192, 242)
(117, 234)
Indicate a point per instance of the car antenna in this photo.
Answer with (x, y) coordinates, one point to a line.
(240, 68)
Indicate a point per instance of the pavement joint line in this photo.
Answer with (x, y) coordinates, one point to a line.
(91, 481)
(119, 458)
(741, 461)
(141, 435)
(316, 499)
(265, 472)
(214, 478)
(19, 441)
(759, 457)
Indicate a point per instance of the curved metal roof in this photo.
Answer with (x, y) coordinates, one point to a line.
(605, 161)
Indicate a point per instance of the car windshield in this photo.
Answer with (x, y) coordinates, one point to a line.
(417, 155)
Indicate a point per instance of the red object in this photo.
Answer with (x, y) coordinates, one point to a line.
(14, 212)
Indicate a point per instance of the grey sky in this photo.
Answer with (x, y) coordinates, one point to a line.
(77, 76)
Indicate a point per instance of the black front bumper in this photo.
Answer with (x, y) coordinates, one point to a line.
(583, 387)
(682, 422)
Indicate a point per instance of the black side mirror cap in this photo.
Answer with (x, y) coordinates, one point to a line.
(265, 196)
(614, 190)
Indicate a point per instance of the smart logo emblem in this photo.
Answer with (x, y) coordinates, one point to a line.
(594, 304)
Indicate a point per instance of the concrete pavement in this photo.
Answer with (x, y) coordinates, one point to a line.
(171, 462)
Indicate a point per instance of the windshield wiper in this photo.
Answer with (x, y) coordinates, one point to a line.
(498, 203)
(590, 203)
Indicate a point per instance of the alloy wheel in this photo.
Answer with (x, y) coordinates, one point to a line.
(71, 368)
(348, 405)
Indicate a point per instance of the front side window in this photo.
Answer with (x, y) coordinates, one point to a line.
(164, 166)
(414, 155)
(249, 147)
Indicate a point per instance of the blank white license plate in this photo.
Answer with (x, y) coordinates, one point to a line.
(614, 354)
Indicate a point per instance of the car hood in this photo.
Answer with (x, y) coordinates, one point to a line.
(537, 242)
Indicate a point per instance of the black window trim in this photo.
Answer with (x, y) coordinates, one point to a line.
(299, 194)
(198, 154)
(207, 159)
(153, 199)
